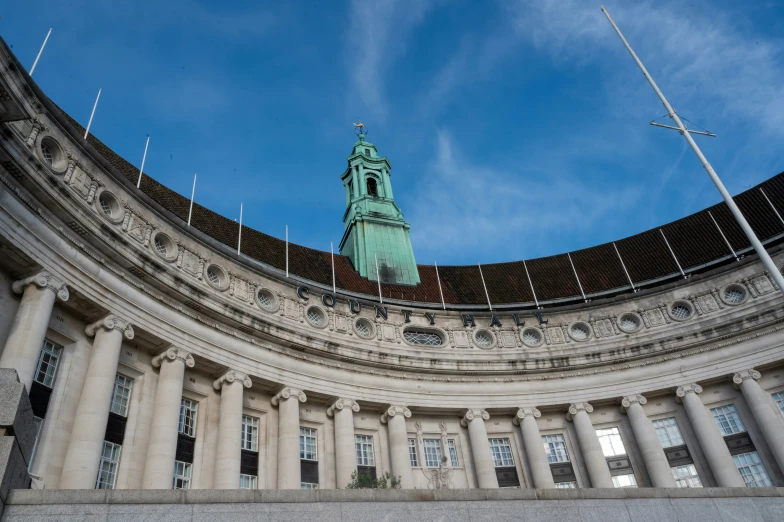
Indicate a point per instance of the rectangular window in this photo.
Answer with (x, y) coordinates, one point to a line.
(39, 422)
(412, 453)
(686, 476)
(47, 363)
(182, 475)
(610, 439)
(188, 411)
(624, 481)
(502, 453)
(727, 420)
(307, 445)
(248, 482)
(668, 432)
(250, 433)
(432, 453)
(364, 446)
(566, 485)
(555, 448)
(752, 470)
(779, 398)
(308, 485)
(107, 469)
(121, 395)
(453, 453)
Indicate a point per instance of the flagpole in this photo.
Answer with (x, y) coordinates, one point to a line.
(755, 242)
(490, 306)
(332, 253)
(239, 237)
(443, 304)
(40, 52)
(287, 250)
(144, 157)
(378, 277)
(193, 192)
(87, 130)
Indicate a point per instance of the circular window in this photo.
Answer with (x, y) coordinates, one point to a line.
(680, 311)
(629, 323)
(532, 337)
(484, 339)
(267, 300)
(216, 277)
(734, 294)
(424, 337)
(164, 246)
(109, 206)
(364, 328)
(580, 331)
(52, 155)
(316, 316)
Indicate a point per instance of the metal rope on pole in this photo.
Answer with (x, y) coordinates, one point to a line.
(770, 266)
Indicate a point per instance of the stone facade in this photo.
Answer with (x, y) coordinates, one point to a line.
(149, 350)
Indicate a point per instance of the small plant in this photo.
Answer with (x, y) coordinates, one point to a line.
(363, 480)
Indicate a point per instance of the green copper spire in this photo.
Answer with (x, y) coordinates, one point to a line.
(374, 225)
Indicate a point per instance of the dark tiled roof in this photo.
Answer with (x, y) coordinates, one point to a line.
(695, 240)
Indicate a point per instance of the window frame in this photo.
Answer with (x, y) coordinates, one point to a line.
(611, 440)
(778, 398)
(451, 446)
(125, 406)
(55, 353)
(249, 433)
(727, 414)
(668, 430)
(303, 445)
(551, 448)
(308, 485)
(184, 427)
(112, 461)
(185, 477)
(685, 481)
(365, 450)
(633, 482)
(434, 445)
(253, 481)
(764, 475)
(499, 460)
(413, 458)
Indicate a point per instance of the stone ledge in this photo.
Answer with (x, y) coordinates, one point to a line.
(214, 496)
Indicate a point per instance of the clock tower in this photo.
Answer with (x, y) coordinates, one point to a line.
(376, 237)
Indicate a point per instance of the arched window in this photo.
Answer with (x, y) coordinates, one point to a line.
(372, 188)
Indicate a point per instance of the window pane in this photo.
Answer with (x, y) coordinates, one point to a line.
(121, 395)
(364, 446)
(752, 470)
(250, 433)
(566, 485)
(502, 452)
(39, 422)
(779, 398)
(610, 439)
(727, 420)
(432, 452)
(686, 476)
(668, 432)
(47, 363)
(555, 448)
(308, 485)
(107, 468)
(412, 453)
(188, 410)
(624, 481)
(182, 475)
(307, 444)
(453, 453)
(248, 482)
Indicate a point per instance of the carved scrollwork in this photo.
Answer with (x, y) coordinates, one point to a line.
(741, 376)
(287, 393)
(577, 407)
(108, 323)
(688, 388)
(173, 354)
(43, 280)
(522, 413)
(472, 414)
(339, 404)
(393, 410)
(230, 377)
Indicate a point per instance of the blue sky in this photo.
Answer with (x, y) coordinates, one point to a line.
(516, 129)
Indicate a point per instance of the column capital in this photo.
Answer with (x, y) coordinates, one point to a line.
(522, 413)
(743, 375)
(393, 410)
(471, 414)
(627, 401)
(172, 354)
(287, 393)
(231, 376)
(42, 280)
(577, 407)
(682, 391)
(339, 404)
(108, 323)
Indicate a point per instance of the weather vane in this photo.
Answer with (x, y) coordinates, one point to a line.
(359, 128)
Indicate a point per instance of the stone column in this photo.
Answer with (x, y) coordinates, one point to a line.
(650, 446)
(709, 436)
(89, 428)
(765, 412)
(589, 445)
(229, 449)
(534, 447)
(345, 453)
(395, 419)
(162, 447)
(474, 420)
(28, 329)
(287, 400)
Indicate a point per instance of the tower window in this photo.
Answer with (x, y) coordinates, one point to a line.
(367, 152)
(372, 188)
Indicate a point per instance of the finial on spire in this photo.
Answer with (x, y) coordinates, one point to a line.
(360, 129)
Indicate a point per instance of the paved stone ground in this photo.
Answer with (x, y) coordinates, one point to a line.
(654, 505)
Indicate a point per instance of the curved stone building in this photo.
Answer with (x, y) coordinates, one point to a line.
(156, 356)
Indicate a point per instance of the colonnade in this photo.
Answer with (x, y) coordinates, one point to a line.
(82, 458)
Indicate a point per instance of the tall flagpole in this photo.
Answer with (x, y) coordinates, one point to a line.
(40, 52)
(239, 237)
(378, 277)
(95, 105)
(332, 254)
(755, 242)
(144, 157)
(193, 193)
(287, 250)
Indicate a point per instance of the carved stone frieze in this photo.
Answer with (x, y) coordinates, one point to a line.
(190, 262)
(37, 127)
(242, 289)
(705, 303)
(137, 227)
